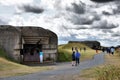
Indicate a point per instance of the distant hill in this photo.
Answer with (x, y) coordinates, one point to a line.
(91, 44)
(78, 45)
(65, 51)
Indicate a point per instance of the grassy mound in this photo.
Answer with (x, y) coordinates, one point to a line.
(9, 68)
(65, 51)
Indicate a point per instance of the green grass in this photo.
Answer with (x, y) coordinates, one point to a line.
(70, 45)
(117, 52)
(7, 67)
(65, 52)
(64, 55)
(110, 70)
(10, 68)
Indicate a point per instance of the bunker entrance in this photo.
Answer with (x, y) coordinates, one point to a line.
(31, 52)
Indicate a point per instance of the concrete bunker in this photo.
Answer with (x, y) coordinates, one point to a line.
(23, 43)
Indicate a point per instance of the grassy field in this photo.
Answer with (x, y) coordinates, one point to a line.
(65, 51)
(9, 68)
(110, 70)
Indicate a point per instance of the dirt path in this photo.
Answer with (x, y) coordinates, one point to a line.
(63, 71)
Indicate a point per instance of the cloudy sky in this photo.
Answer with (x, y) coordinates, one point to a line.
(76, 20)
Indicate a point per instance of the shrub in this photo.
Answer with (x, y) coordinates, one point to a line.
(64, 56)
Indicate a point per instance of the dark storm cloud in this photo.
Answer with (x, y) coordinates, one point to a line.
(107, 31)
(102, 1)
(113, 11)
(77, 8)
(112, 26)
(117, 11)
(106, 13)
(78, 27)
(86, 19)
(103, 24)
(79, 20)
(31, 8)
(96, 16)
(116, 35)
(81, 27)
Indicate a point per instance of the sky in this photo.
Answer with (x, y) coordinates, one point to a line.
(71, 20)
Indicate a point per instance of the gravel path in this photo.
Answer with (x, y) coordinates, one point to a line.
(61, 70)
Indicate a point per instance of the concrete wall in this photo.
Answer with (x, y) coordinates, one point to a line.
(50, 51)
(9, 41)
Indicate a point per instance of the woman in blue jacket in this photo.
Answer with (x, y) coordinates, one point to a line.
(77, 57)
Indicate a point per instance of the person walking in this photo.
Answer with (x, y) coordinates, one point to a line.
(84, 49)
(108, 50)
(73, 58)
(97, 50)
(103, 49)
(72, 48)
(77, 57)
(112, 50)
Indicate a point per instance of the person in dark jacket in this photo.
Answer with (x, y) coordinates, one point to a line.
(73, 58)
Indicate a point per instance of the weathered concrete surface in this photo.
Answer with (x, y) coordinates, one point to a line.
(13, 39)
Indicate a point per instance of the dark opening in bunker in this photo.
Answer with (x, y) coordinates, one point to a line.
(31, 52)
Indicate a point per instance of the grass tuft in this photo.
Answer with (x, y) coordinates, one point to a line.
(108, 72)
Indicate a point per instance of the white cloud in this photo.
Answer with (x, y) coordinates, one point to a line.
(17, 21)
(88, 2)
(48, 4)
(107, 8)
(57, 4)
(2, 22)
(15, 2)
(62, 21)
(82, 37)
